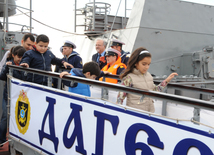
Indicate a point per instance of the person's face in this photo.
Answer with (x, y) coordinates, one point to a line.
(16, 59)
(111, 59)
(118, 48)
(67, 51)
(89, 76)
(42, 47)
(99, 46)
(28, 44)
(143, 65)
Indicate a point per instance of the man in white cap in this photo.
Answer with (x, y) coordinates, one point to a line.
(99, 57)
(114, 64)
(71, 56)
(116, 44)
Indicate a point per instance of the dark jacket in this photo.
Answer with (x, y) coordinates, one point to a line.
(78, 88)
(124, 57)
(74, 59)
(3, 76)
(40, 61)
(101, 64)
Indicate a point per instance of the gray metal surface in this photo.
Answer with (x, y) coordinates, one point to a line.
(11, 7)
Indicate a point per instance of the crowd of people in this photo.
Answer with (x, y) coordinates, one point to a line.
(34, 53)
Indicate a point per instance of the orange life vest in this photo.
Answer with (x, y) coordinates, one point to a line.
(113, 70)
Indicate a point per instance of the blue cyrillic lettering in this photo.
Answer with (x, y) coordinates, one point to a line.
(184, 145)
(68, 142)
(131, 146)
(101, 117)
(51, 136)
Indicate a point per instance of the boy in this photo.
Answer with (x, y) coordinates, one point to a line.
(90, 70)
(40, 58)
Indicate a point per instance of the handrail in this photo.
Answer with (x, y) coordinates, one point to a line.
(176, 85)
(153, 94)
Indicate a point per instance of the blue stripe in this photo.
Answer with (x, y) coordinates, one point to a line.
(31, 144)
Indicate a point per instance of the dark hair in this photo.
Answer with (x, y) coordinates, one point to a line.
(135, 58)
(91, 67)
(16, 50)
(42, 38)
(28, 35)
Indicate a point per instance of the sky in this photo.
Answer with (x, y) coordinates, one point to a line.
(60, 15)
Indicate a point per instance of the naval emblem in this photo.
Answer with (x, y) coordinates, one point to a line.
(22, 112)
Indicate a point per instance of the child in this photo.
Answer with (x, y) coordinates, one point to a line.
(14, 58)
(40, 58)
(136, 76)
(90, 70)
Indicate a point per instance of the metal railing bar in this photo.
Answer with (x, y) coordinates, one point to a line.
(178, 86)
(152, 94)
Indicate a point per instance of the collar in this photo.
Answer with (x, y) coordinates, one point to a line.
(103, 54)
(72, 54)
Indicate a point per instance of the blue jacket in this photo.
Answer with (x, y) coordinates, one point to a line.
(78, 88)
(3, 76)
(74, 59)
(40, 61)
(124, 57)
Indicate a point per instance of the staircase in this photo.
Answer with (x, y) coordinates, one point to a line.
(98, 21)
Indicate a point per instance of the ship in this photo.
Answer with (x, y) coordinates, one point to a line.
(179, 36)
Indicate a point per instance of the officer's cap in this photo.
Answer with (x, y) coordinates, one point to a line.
(113, 52)
(115, 42)
(61, 49)
(68, 43)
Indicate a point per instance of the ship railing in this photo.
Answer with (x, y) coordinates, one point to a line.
(181, 86)
(165, 97)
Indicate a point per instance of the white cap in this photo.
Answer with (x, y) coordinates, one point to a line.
(115, 42)
(68, 43)
(111, 51)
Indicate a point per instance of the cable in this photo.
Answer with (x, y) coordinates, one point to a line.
(50, 26)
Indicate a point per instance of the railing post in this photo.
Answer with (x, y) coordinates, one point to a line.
(196, 111)
(164, 104)
(49, 81)
(11, 71)
(104, 91)
(30, 16)
(196, 114)
(59, 83)
(94, 16)
(6, 14)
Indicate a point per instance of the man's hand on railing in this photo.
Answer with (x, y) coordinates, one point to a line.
(24, 65)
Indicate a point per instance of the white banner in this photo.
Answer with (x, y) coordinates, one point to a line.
(63, 123)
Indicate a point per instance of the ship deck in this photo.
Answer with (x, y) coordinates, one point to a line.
(5, 149)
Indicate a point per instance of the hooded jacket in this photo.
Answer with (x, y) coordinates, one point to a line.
(78, 88)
